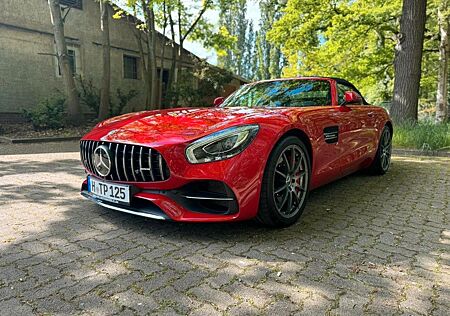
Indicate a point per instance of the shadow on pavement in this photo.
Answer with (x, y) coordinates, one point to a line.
(363, 245)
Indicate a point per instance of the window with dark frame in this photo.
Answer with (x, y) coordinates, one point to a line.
(71, 56)
(130, 67)
(77, 4)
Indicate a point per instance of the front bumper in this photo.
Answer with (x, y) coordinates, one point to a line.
(193, 202)
(240, 175)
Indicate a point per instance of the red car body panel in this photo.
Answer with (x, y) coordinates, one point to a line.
(171, 131)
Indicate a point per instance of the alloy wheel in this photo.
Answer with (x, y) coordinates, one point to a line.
(290, 181)
(386, 149)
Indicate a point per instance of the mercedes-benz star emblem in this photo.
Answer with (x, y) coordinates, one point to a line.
(102, 160)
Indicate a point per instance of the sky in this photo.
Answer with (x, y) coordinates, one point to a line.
(253, 13)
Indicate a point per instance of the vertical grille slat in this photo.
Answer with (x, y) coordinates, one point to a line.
(140, 165)
(160, 164)
(112, 173)
(132, 163)
(145, 164)
(124, 165)
(150, 164)
(89, 157)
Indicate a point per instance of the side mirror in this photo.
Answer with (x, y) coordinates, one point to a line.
(218, 101)
(351, 97)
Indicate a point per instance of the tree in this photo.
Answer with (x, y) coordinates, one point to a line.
(268, 54)
(442, 87)
(408, 60)
(349, 39)
(105, 86)
(233, 18)
(74, 115)
(149, 16)
(164, 22)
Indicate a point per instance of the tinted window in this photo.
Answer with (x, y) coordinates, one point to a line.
(282, 93)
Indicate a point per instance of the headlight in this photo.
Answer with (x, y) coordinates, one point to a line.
(221, 145)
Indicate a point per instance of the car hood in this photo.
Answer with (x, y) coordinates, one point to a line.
(155, 128)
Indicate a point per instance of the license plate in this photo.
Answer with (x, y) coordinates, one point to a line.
(117, 193)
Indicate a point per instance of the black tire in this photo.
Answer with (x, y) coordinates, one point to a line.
(283, 208)
(382, 160)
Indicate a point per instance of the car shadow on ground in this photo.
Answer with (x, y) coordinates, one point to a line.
(363, 244)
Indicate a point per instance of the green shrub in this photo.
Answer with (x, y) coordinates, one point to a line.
(425, 135)
(48, 113)
(124, 98)
(89, 95)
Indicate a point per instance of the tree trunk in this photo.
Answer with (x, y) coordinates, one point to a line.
(163, 51)
(74, 115)
(173, 65)
(152, 53)
(442, 92)
(408, 60)
(103, 112)
(151, 48)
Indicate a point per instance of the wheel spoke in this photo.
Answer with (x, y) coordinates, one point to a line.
(286, 161)
(289, 202)
(284, 187)
(298, 164)
(281, 174)
(292, 164)
(285, 197)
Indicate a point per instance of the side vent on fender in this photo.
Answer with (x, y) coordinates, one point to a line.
(331, 134)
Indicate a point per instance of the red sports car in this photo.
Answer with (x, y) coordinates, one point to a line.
(256, 154)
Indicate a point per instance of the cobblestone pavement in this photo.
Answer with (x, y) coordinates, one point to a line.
(365, 245)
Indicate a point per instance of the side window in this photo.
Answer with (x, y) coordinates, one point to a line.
(341, 89)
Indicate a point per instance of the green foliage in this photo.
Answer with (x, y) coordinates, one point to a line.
(209, 81)
(123, 99)
(90, 96)
(49, 113)
(425, 136)
(251, 55)
(354, 40)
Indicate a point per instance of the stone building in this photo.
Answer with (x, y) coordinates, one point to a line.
(29, 70)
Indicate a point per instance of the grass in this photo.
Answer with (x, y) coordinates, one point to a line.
(424, 135)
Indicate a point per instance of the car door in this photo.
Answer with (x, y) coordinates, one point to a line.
(324, 122)
(357, 131)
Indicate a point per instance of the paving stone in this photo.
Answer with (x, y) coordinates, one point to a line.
(383, 249)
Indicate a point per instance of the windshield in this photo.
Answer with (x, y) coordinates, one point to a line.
(282, 93)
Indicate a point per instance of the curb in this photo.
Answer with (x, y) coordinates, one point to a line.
(38, 140)
(417, 152)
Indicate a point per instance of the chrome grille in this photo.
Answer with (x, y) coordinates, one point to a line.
(130, 163)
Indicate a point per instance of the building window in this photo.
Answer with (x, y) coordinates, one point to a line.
(77, 4)
(73, 55)
(130, 67)
(72, 60)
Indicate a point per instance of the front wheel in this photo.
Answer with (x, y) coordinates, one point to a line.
(285, 184)
(382, 160)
